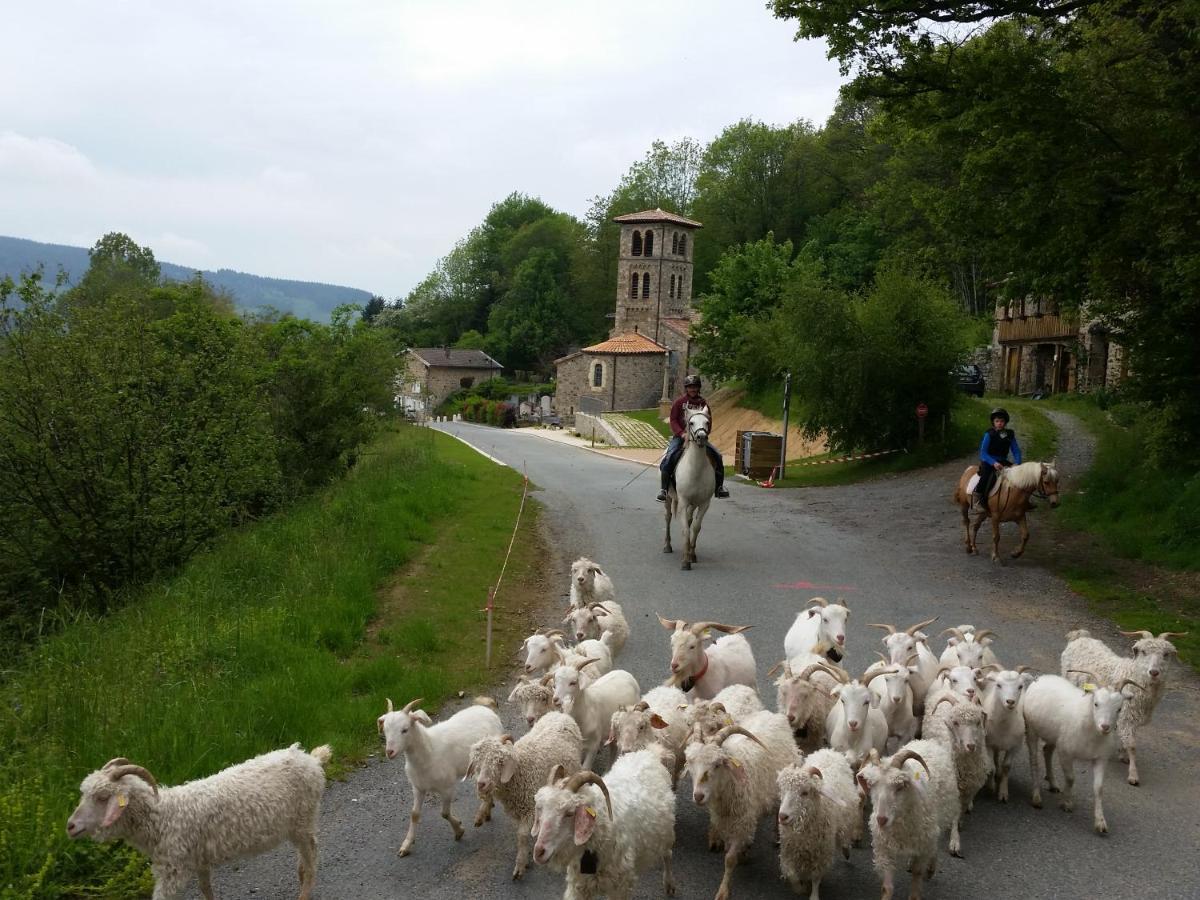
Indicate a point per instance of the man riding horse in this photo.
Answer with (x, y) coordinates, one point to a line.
(691, 399)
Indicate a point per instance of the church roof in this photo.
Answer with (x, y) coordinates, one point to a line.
(656, 215)
(679, 326)
(629, 343)
(454, 358)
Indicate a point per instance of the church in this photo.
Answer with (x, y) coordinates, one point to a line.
(648, 352)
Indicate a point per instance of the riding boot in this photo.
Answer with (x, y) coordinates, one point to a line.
(665, 478)
(720, 491)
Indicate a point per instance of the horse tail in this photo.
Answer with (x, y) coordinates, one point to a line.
(1077, 634)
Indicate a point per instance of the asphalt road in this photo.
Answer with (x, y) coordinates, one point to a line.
(892, 549)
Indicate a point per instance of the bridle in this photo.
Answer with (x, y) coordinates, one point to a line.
(693, 433)
(1041, 492)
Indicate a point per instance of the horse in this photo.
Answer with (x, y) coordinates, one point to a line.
(694, 484)
(1009, 502)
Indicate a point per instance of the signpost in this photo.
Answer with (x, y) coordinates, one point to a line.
(787, 402)
(922, 414)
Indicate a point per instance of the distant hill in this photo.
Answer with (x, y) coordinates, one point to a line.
(306, 299)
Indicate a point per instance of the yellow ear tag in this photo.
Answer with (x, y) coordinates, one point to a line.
(1089, 687)
(729, 720)
(590, 811)
(122, 801)
(707, 633)
(736, 762)
(919, 775)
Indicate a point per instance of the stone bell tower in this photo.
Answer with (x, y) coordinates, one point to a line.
(654, 273)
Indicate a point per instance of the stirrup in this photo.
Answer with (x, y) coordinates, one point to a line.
(662, 496)
(721, 492)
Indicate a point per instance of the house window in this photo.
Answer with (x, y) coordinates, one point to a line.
(645, 285)
(633, 285)
(598, 375)
(671, 293)
(637, 243)
(683, 245)
(649, 243)
(675, 243)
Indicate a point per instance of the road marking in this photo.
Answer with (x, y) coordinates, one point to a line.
(498, 462)
(809, 586)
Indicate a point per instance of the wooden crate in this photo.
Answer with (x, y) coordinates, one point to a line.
(763, 456)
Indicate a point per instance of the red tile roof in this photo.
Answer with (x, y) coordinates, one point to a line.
(680, 326)
(630, 342)
(455, 359)
(656, 215)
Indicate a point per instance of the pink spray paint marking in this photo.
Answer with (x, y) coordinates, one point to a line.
(809, 586)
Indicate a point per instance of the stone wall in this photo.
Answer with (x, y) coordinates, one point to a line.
(439, 382)
(641, 311)
(638, 381)
(594, 427)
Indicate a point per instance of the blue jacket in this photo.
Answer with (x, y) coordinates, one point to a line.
(1012, 445)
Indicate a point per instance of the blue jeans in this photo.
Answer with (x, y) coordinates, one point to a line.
(671, 457)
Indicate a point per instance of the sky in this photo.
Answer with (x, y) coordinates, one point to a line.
(355, 142)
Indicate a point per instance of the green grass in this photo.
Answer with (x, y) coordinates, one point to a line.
(651, 418)
(286, 631)
(1035, 431)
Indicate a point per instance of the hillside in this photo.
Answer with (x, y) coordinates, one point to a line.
(306, 299)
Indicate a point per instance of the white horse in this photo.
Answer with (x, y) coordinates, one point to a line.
(694, 484)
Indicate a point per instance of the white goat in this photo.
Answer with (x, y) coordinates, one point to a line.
(547, 650)
(820, 812)
(820, 629)
(660, 717)
(513, 772)
(1146, 668)
(964, 681)
(435, 756)
(597, 620)
(895, 695)
(589, 584)
(1002, 701)
(855, 725)
(961, 726)
(901, 645)
(914, 798)
(735, 776)
(189, 829)
(731, 704)
(593, 705)
(604, 832)
(969, 647)
(535, 698)
(702, 670)
(806, 701)
(1077, 724)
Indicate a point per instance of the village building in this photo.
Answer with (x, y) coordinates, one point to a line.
(649, 349)
(431, 374)
(1038, 349)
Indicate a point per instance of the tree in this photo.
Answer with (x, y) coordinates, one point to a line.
(373, 308)
(528, 327)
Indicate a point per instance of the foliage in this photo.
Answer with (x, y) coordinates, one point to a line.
(283, 632)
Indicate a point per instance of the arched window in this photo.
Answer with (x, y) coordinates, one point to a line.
(672, 291)
(598, 375)
(675, 243)
(679, 288)
(649, 243)
(633, 283)
(637, 244)
(645, 285)
(683, 245)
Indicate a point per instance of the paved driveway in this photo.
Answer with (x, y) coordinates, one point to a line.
(892, 549)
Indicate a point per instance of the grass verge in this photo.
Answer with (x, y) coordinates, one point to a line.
(651, 418)
(292, 630)
(1037, 435)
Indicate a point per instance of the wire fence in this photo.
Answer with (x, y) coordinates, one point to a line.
(495, 589)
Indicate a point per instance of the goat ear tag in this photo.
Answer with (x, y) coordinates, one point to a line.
(707, 633)
(591, 811)
(1088, 687)
(122, 801)
(737, 763)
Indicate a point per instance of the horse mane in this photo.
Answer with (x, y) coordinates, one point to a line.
(1027, 476)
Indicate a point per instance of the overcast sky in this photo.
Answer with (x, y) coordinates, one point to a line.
(354, 142)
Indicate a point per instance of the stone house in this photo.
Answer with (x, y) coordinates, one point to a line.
(1038, 348)
(649, 349)
(431, 374)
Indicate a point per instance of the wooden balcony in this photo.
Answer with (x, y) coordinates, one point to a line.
(1038, 328)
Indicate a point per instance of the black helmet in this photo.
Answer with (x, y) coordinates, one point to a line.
(999, 413)
(692, 380)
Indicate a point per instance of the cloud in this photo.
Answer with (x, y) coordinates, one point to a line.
(41, 158)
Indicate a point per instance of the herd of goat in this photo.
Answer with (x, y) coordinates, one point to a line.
(813, 765)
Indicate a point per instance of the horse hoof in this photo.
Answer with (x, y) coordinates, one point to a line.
(686, 566)
(667, 550)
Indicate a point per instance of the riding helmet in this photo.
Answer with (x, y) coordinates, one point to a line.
(691, 380)
(999, 413)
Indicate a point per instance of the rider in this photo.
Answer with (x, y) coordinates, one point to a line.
(691, 399)
(993, 453)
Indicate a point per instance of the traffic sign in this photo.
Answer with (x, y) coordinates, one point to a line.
(922, 410)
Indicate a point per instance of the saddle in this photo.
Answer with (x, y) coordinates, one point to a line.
(974, 483)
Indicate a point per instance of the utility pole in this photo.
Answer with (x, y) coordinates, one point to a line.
(787, 402)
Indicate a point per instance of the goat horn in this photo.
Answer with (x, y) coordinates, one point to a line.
(990, 667)
(1091, 675)
(119, 772)
(730, 730)
(877, 673)
(411, 704)
(815, 771)
(579, 779)
(1138, 634)
(700, 627)
(1171, 634)
(839, 673)
(641, 706)
(1121, 686)
(556, 773)
(118, 761)
(506, 738)
(884, 658)
(954, 631)
(913, 629)
(546, 679)
(554, 632)
(980, 635)
(820, 601)
(670, 624)
(808, 670)
(841, 601)
(905, 755)
(775, 668)
(391, 708)
(600, 606)
(891, 629)
(1023, 669)
(587, 661)
(719, 706)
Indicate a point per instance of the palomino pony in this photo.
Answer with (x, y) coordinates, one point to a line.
(1009, 502)
(694, 484)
